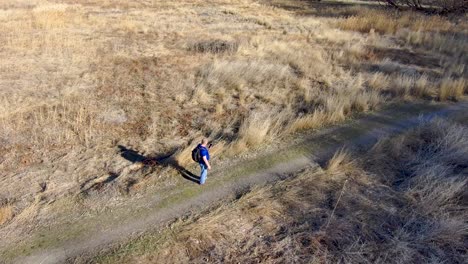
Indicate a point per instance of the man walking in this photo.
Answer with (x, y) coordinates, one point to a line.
(204, 160)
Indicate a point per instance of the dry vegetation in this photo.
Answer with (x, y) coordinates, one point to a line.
(6, 213)
(403, 202)
(78, 78)
(434, 6)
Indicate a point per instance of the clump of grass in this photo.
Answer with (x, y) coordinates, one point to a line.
(422, 87)
(449, 43)
(312, 121)
(382, 24)
(339, 162)
(403, 85)
(436, 145)
(254, 130)
(365, 101)
(452, 89)
(214, 46)
(378, 81)
(50, 17)
(6, 213)
(400, 85)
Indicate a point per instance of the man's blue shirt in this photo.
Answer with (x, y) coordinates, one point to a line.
(204, 153)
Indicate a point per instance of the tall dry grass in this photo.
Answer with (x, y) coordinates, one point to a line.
(86, 88)
(403, 202)
(386, 21)
(443, 38)
(340, 161)
(6, 213)
(452, 89)
(79, 79)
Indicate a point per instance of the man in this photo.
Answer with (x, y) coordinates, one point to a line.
(204, 160)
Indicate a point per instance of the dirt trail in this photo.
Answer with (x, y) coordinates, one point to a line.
(357, 134)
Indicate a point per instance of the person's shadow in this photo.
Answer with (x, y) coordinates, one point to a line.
(158, 160)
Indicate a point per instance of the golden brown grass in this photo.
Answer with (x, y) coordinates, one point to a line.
(311, 121)
(452, 89)
(340, 161)
(78, 89)
(435, 34)
(6, 213)
(400, 203)
(254, 130)
(422, 87)
(78, 79)
(388, 22)
(449, 43)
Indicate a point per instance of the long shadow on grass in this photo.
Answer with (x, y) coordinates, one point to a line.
(330, 9)
(158, 160)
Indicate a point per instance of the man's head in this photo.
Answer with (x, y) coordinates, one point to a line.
(204, 142)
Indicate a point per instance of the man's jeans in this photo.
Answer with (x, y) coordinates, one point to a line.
(204, 172)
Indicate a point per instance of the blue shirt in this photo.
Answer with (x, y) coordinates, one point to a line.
(204, 153)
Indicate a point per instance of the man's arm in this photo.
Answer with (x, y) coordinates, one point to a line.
(207, 162)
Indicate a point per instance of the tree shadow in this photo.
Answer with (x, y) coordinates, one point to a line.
(330, 9)
(163, 160)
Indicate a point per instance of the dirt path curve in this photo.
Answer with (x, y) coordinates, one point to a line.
(357, 134)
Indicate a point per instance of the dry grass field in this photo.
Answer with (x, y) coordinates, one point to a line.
(403, 202)
(79, 78)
